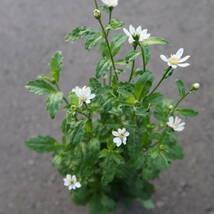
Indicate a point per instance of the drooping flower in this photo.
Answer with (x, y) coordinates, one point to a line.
(84, 94)
(110, 3)
(71, 182)
(176, 60)
(138, 34)
(120, 136)
(176, 124)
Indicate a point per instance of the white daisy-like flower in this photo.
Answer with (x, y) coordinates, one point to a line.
(136, 34)
(71, 182)
(120, 136)
(176, 124)
(176, 60)
(84, 94)
(110, 3)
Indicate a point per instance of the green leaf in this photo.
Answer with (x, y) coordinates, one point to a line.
(117, 42)
(143, 85)
(73, 99)
(181, 88)
(103, 66)
(187, 112)
(44, 77)
(147, 53)
(115, 25)
(148, 204)
(155, 41)
(81, 32)
(92, 41)
(39, 87)
(155, 98)
(131, 56)
(42, 144)
(53, 103)
(56, 65)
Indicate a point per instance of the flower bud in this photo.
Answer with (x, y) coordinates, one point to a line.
(170, 107)
(97, 14)
(195, 86)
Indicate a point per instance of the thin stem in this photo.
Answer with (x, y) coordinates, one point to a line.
(133, 66)
(96, 4)
(109, 48)
(161, 80)
(144, 58)
(109, 18)
(64, 98)
(180, 100)
(109, 22)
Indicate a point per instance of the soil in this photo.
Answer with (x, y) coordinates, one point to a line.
(31, 31)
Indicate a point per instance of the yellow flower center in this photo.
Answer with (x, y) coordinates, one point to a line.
(82, 99)
(174, 60)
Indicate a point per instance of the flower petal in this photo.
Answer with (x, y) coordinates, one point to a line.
(183, 65)
(184, 59)
(164, 58)
(179, 53)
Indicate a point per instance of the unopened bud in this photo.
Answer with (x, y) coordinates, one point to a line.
(195, 86)
(170, 107)
(97, 14)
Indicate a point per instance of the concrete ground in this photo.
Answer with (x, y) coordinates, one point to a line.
(31, 31)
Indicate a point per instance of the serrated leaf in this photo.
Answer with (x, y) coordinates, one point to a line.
(39, 87)
(81, 32)
(155, 41)
(115, 25)
(181, 88)
(103, 66)
(117, 42)
(143, 85)
(131, 56)
(53, 103)
(92, 41)
(147, 53)
(56, 65)
(42, 144)
(187, 112)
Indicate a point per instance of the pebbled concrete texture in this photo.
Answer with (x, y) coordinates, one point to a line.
(31, 31)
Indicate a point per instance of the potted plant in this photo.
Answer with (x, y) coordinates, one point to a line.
(117, 135)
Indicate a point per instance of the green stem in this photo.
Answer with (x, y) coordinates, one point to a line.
(180, 100)
(64, 98)
(109, 48)
(96, 4)
(133, 66)
(109, 22)
(161, 80)
(144, 58)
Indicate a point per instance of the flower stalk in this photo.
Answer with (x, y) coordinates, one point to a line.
(108, 46)
(167, 72)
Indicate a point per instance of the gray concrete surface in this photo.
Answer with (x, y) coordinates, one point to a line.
(30, 32)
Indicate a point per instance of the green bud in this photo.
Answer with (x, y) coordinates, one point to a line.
(97, 14)
(195, 86)
(170, 107)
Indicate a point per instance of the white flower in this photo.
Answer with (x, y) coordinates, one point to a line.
(110, 3)
(176, 124)
(84, 94)
(176, 60)
(120, 136)
(136, 34)
(71, 182)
